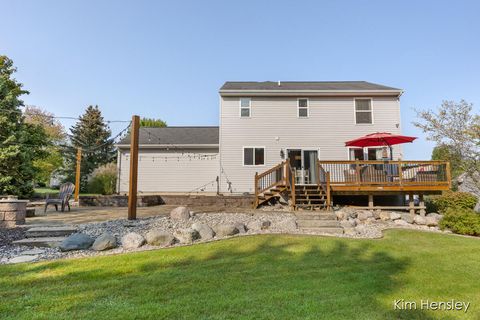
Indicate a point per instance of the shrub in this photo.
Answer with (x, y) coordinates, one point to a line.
(450, 199)
(461, 221)
(103, 179)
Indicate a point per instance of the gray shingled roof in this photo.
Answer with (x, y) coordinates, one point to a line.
(176, 136)
(305, 85)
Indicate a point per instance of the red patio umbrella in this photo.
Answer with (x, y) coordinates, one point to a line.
(379, 139)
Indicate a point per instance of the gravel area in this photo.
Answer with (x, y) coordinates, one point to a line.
(281, 222)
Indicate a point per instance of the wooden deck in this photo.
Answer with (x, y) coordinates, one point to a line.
(386, 177)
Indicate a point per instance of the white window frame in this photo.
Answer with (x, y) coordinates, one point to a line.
(365, 152)
(355, 111)
(253, 147)
(298, 108)
(249, 107)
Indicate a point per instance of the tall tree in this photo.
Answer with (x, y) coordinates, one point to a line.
(455, 127)
(152, 123)
(53, 159)
(20, 142)
(93, 135)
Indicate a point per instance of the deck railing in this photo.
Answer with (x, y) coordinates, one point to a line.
(387, 173)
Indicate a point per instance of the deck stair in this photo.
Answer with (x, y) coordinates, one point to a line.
(48, 236)
(310, 197)
(323, 221)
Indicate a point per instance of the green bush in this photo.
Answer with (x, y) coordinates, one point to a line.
(103, 179)
(450, 199)
(461, 221)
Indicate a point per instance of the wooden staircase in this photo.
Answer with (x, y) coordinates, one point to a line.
(280, 181)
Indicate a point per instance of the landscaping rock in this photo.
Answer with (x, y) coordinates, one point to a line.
(364, 215)
(225, 230)
(243, 229)
(341, 215)
(180, 214)
(431, 221)
(418, 219)
(105, 241)
(266, 224)
(435, 216)
(186, 236)
(77, 241)
(205, 232)
(21, 259)
(32, 252)
(401, 222)
(361, 229)
(157, 237)
(348, 223)
(254, 225)
(376, 214)
(287, 224)
(132, 240)
(384, 216)
(349, 231)
(395, 215)
(407, 217)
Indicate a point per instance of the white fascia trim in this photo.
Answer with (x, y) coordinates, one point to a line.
(309, 92)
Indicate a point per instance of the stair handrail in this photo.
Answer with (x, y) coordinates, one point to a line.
(291, 183)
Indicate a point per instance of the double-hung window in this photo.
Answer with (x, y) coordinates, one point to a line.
(302, 108)
(253, 156)
(363, 111)
(245, 107)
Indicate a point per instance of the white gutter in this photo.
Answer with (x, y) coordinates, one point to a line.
(310, 92)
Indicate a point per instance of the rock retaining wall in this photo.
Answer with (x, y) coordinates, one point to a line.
(12, 212)
(170, 199)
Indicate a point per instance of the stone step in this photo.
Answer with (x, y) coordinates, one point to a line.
(317, 223)
(51, 242)
(315, 216)
(43, 232)
(329, 230)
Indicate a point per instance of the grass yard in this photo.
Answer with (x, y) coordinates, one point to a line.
(259, 277)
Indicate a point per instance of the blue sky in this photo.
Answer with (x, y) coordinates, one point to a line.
(167, 59)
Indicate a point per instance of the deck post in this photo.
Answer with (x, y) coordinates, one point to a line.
(255, 203)
(329, 200)
(132, 183)
(357, 171)
(422, 205)
(411, 204)
(370, 201)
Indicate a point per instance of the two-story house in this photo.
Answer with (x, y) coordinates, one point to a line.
(273, 133)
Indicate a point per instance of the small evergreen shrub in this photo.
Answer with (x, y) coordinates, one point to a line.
(103, 179)
(461, 221)
(450, 199)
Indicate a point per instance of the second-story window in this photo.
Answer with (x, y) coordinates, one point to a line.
(303, 108)
(363, 111)
(245, 107)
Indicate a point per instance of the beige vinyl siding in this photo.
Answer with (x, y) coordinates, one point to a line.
(275, 125)
(178, 174)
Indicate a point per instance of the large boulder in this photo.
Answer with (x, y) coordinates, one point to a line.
(407, 217)
(395, 215)
(186, 236)
(180, 214)
(76, 241)
(364, 215)
(431, 221)
(105, 241)
(435, 216)
(341, 215)
(132, 240)
(254, 225)
(241, 227)
(205, 232)
(418, 219)
(350, 223)
(400, 222)
(266, 224)
(157, 237)
(225, 230)
(384, 216)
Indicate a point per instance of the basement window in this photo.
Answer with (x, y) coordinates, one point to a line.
(253, 156)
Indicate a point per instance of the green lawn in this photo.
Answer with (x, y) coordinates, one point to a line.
(259, 277)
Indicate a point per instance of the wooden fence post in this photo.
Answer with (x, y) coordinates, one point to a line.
(132, 188)
(77, 174)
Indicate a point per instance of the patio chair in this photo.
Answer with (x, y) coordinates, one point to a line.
(66, 191)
